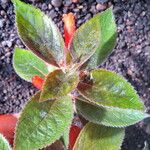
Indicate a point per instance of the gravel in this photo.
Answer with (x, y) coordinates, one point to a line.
(1, 23)
(101, 1)
(131, 57)
(56, 3)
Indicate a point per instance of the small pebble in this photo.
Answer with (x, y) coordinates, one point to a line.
(129, 72)
(87, 17)
(102, 1)
(49, 6)
(4, 1)
(44, 6)
(100, 7)
(75, 1)
(1, 23)
(93, 9)
(52, 14)
(56, 3)
(9, 43)
(67, 3)
(3, 43)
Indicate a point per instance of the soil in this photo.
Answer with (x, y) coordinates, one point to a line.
(130, 58)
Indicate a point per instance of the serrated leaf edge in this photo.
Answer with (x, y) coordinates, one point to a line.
(78, 65)
(56, 97)
(15, 49)
(5, 141)
(39, 11)
(115, 126)
(101, 69)
(146, 115)
(19, 121)
(101, 125)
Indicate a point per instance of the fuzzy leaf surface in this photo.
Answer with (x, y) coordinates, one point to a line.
(110, 100)
(109, 116)
(28, 65)
(96, 38)
(41, 124)
(98, 137)
(39, 33)
(58, 84)
(65, 138)
(111, 90)
(4, 145)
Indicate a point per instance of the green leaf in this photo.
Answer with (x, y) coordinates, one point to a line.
(39, 33)
(65, 138)
(109, 116)
(111, 90)
(97, 36)
(27, 64)
(97, 137)
(58, 84)
(4, 145)
(41, 124)
(110, 101)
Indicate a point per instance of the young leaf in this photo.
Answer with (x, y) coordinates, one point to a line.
(4, 145)
(58, 84)
(96, 37)
(96, 137)
(39, 33)
(28, 65)
(109, 116)
(111, 90)
(69, 28)
(37, 82)
(41, 124)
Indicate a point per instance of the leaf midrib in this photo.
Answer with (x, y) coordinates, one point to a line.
(88, 100)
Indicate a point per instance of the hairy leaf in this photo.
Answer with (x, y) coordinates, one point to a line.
(109, 116)
(28, 65)
(41, 124)
(96, 37)
(110, 100)
(58, 84)
(39, 33)
(65, 138)
(112, 90)
(97, 137)
(4, 145)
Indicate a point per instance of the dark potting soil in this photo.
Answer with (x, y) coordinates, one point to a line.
(131, 57)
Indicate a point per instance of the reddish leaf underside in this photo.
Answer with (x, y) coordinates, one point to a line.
(37, 82)
(69, 28)
(7, 127)
(74, 132)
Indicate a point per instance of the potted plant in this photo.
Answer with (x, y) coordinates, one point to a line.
(70, 82)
